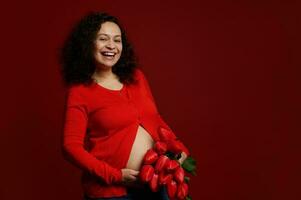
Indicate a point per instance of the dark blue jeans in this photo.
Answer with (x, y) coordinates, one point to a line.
(138, 194)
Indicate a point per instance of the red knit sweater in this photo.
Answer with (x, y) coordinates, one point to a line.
(99, 130)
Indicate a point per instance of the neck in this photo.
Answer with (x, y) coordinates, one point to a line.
(104, 74)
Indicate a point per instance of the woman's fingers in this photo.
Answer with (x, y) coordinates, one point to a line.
(183, 158)
(132, 178)
(130, 175)
(134, 172)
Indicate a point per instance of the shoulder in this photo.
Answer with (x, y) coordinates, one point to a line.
(75, 89)
(79, 92)
(139, 74)
(80, 88)
(138, 71)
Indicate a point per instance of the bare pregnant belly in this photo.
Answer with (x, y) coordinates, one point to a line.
(142, 143)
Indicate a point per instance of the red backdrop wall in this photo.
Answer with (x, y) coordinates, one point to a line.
(225, 76)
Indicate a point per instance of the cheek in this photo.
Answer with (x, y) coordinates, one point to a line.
(99, 45)
(96, 52)
(120, 47)
(97, 48)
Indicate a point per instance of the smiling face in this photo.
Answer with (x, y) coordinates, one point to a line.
(108, 45)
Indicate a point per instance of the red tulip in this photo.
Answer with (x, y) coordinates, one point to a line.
(150, 157)
(172, 165)
(182, 190)
(160, 147)
(166, 134)
(171, 188)
(164, 178)
(174, 146)
(146, 173)
(179, 175)
(183, 147)
(161, 163)
(154, 183)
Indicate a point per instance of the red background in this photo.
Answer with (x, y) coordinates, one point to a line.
(225, 76)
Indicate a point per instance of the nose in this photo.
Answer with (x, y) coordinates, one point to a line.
(110, 44)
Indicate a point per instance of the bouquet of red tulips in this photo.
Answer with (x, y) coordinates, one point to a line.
(162, 168)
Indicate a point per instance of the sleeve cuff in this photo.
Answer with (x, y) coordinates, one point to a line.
(118, 176)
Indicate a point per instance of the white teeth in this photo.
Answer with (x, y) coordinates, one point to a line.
(108, 53)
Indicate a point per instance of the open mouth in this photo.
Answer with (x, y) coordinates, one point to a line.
(108, 54)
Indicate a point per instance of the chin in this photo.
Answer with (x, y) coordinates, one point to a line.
(107, 64)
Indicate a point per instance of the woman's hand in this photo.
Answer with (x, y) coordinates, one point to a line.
(129, 176)
(183, 158)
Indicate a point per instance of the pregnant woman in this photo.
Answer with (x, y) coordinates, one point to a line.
(111, 118)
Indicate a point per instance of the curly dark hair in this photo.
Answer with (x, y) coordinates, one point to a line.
(76, 55)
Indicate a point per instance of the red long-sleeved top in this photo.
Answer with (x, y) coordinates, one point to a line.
(100, 127)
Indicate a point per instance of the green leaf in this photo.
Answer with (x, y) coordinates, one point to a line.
(189, 165)
(186, 179)
(188, 197)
